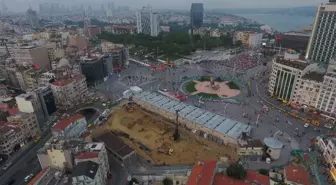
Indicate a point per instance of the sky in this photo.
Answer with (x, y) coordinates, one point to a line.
(20, 5)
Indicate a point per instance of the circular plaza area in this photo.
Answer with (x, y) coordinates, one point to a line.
(215, 88)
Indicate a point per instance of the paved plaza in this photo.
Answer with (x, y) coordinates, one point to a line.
(251, 104)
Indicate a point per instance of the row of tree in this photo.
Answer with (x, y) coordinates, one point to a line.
(172, 43)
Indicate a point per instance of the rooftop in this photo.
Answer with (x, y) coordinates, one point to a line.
(301, 65)
(295, 33)
(85, 168)
(48, 176)
(315, 76)
(254, 143)
(202, 173)
(115, 144)
(297, 175)
(252, 178)
(63, 82)
(226, 126)
(124, 27)
(87, 155)
(273, 143)
(64, 123)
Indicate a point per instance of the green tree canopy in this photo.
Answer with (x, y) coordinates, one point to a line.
(236, 171)
(167, 181)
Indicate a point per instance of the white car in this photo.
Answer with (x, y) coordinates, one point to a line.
(306, 125)
(28, 177)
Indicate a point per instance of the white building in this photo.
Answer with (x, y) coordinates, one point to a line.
(284, 76)
(328, 148)
(322, 43)
(255, 39)
(147, 21)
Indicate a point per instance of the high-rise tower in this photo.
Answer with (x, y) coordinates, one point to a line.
(147, 22)
(32, 18)
(322, 43)
(196, 15)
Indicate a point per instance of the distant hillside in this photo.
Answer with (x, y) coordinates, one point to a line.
(303, 11)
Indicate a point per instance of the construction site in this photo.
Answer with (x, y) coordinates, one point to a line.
(162, 141)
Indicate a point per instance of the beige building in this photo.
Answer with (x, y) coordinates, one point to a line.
(11, 137)
(70, 91)
(29, 123)
(252, 148)
(66, 153)
(30, 55)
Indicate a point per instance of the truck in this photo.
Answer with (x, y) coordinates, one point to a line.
(127, 94)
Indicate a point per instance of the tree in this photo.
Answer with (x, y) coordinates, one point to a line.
(133, 180)
(167, 181)
(281, 183)
(264, 172)
(239, 43)
(236, 171)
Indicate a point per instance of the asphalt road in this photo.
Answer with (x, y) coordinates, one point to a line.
(20, 168)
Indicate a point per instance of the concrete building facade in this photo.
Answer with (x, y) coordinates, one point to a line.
(69, 91)
(32, 55)
(322, 43)
(29, 123)
(11, 137)
(71, 127)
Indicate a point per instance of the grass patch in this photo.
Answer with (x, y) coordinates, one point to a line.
(190, 86)
(232, 85)
(208, 96)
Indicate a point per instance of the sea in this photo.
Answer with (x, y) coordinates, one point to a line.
(281, 22)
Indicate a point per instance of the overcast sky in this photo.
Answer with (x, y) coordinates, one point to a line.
(173, 4)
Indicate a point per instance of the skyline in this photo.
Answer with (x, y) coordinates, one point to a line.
(23, 5)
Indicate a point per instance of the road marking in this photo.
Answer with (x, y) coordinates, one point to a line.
(276, 133)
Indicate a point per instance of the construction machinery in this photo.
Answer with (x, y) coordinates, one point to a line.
(129, 107)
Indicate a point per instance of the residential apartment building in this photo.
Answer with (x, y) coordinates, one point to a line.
(248, 38)
(32, 55)
(69, 91)
(87, 173)
(255, 40)
(147, 22)
(96, 152)
(328, 149)
(121, 29)
(66, 153)
(40, 102)
(50, 176)
(327, 94)
(29, 123)
(71, 127)
(11, 138)
(322, 43)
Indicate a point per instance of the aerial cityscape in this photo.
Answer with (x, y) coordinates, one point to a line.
(103, 93)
